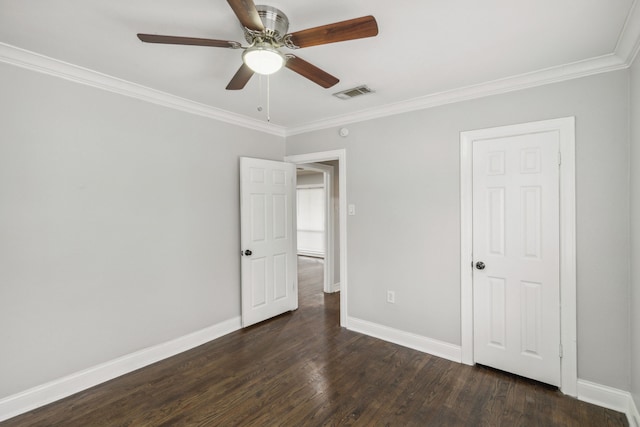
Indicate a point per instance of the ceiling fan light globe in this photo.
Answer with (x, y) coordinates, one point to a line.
(263, 59)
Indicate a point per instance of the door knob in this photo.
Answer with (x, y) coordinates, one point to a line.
(248, 252)
(480, 265)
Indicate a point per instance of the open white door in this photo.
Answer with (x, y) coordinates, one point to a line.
(268, 243)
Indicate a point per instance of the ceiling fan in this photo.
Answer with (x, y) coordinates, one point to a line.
(265, 29)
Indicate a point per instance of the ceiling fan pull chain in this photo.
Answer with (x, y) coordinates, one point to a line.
(268, 100)
(260, 92)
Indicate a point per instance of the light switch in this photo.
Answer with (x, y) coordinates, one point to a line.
(352, 209)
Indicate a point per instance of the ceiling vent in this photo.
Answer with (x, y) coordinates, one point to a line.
(353, 92)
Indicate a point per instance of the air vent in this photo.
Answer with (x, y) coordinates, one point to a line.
(353, 92)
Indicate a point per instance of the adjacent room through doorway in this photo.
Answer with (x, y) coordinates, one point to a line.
(320, 196)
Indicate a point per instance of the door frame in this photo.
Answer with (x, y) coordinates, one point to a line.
(327, 179)
(565, 127)
(341, 157)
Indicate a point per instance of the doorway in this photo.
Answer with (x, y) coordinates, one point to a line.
(563, 130)
(317, 194)
(337, 159)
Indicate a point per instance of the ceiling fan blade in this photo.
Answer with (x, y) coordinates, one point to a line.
(241, 78)
(154, 38)
(352, 29)
(247, 14)
(310, 71)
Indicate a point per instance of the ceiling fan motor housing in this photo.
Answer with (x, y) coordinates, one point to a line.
(276, 25)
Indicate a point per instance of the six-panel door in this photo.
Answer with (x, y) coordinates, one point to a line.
(516, 235)
(269, 269)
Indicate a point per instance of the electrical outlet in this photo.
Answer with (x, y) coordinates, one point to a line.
(391, 297)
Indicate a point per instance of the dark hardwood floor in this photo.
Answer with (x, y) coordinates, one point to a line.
(302, 369)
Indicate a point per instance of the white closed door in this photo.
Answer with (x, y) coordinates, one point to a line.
(516, 255)
(267, 235)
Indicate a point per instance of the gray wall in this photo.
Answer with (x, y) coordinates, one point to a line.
(635, 231)
(310, 179)
(403, 176)
(119, 225)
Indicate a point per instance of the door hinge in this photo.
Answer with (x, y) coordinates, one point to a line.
(561, 353)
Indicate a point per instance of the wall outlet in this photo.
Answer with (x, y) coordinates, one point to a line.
(391, 297)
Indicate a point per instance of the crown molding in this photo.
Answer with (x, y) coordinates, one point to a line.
(627, 48)
(543, 77)
(35, 62)
(629, 40)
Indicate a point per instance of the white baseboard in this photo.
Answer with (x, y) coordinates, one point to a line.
(407, 339)
(610, 398)
(335, 287)
(312, 254)
(633, 415)
(604, 396)
(44, 394)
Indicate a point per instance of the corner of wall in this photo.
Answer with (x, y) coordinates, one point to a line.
(634, 206)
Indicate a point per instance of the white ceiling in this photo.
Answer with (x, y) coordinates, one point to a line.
(424, 48)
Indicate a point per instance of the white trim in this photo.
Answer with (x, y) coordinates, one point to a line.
(406, 339)
(610, 398)
(341, 156)
(629, 40)
(557, 74)
(335, 287)
(626, 50)
(568, 256)
(308, 186)
(633, 414)
(311, 254)
(568, 319)
(44, 394)
(329, 229)
(53, 67)
(466, 252)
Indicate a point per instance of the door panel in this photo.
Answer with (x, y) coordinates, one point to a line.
(516, 297)
(269, 269)
(531, 306)
(495, 205)
(497, 312)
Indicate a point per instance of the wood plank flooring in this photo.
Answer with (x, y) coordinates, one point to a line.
(302, 369)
